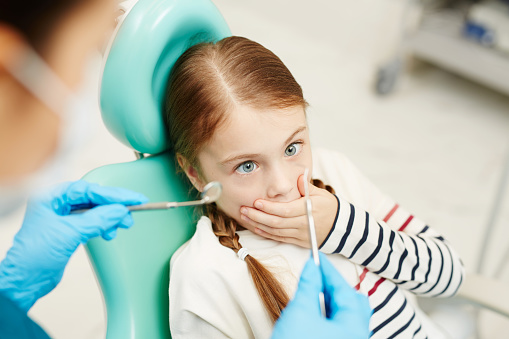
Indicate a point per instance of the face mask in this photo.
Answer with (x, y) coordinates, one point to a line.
(40, 80)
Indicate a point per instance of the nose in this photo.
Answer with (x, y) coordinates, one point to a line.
(280, 185)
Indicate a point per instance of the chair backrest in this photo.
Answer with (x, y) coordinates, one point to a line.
(133, 269)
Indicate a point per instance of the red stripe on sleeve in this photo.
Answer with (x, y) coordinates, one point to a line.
(378, 283)
(361, 278)
(389, 215)
(406, 223)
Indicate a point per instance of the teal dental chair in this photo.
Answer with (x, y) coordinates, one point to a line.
(133, 269)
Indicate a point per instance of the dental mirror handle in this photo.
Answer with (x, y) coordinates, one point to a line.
(211, 192)
(151, 206)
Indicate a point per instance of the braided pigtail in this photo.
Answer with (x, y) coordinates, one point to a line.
(273, 295)
(318, 183)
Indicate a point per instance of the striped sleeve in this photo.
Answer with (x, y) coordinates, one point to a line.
(396, 246)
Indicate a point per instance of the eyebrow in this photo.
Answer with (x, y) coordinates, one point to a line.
(300, 129)
(254, 155)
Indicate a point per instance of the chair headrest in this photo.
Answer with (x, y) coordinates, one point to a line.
(148, 42)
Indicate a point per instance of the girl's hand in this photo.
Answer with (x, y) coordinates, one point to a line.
(287, 221)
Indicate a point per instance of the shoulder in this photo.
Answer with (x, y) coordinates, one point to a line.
(202, 250)
(202, 258)
(202, 236)
(207, 281)
(330, 165)
(336, 169)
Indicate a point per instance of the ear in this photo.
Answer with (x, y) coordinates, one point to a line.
(13, 44)
(191, 172)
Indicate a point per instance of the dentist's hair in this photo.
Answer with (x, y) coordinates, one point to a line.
(207, 82)
(36, 18)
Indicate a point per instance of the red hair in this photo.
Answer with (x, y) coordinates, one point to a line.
(207, 82)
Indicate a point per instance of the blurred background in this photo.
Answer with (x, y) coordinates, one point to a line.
(415, 93)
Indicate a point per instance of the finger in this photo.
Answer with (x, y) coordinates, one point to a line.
(110, 234)
(282, 209)
(100, 219)
(127, 222)
(341, 297)
(82, 192)
(300, 186)
(280, 232)
(360, 312)
(276, 232)
(52, 197)
(289, 240)
(273, 220)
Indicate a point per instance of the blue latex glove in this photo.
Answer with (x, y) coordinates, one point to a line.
(348, 312)
(49, 235)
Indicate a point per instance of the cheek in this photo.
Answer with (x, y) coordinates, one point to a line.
(298, 167)
(235, 196)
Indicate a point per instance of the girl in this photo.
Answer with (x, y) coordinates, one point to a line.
(236, 115)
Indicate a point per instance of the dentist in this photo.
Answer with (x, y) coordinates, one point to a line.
(44, 46)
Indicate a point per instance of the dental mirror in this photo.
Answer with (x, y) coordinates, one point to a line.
(211, 192)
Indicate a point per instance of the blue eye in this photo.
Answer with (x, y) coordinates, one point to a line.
(246, 167)
(293, 149)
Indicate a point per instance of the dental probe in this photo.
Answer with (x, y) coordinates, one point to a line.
(312, 234)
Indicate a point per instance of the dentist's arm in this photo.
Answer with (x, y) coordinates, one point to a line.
(50, 234)
(348, 312)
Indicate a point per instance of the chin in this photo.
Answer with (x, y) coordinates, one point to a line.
(240, 223)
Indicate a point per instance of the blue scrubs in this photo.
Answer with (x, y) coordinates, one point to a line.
(15, 324)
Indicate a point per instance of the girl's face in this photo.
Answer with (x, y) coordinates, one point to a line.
(256, 154)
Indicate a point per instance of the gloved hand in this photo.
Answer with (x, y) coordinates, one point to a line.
(348, 312)
(49, 235)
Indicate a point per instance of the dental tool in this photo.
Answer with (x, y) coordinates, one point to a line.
(211, 192)
(312, 233)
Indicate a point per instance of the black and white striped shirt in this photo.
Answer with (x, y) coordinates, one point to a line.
(397, 251)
